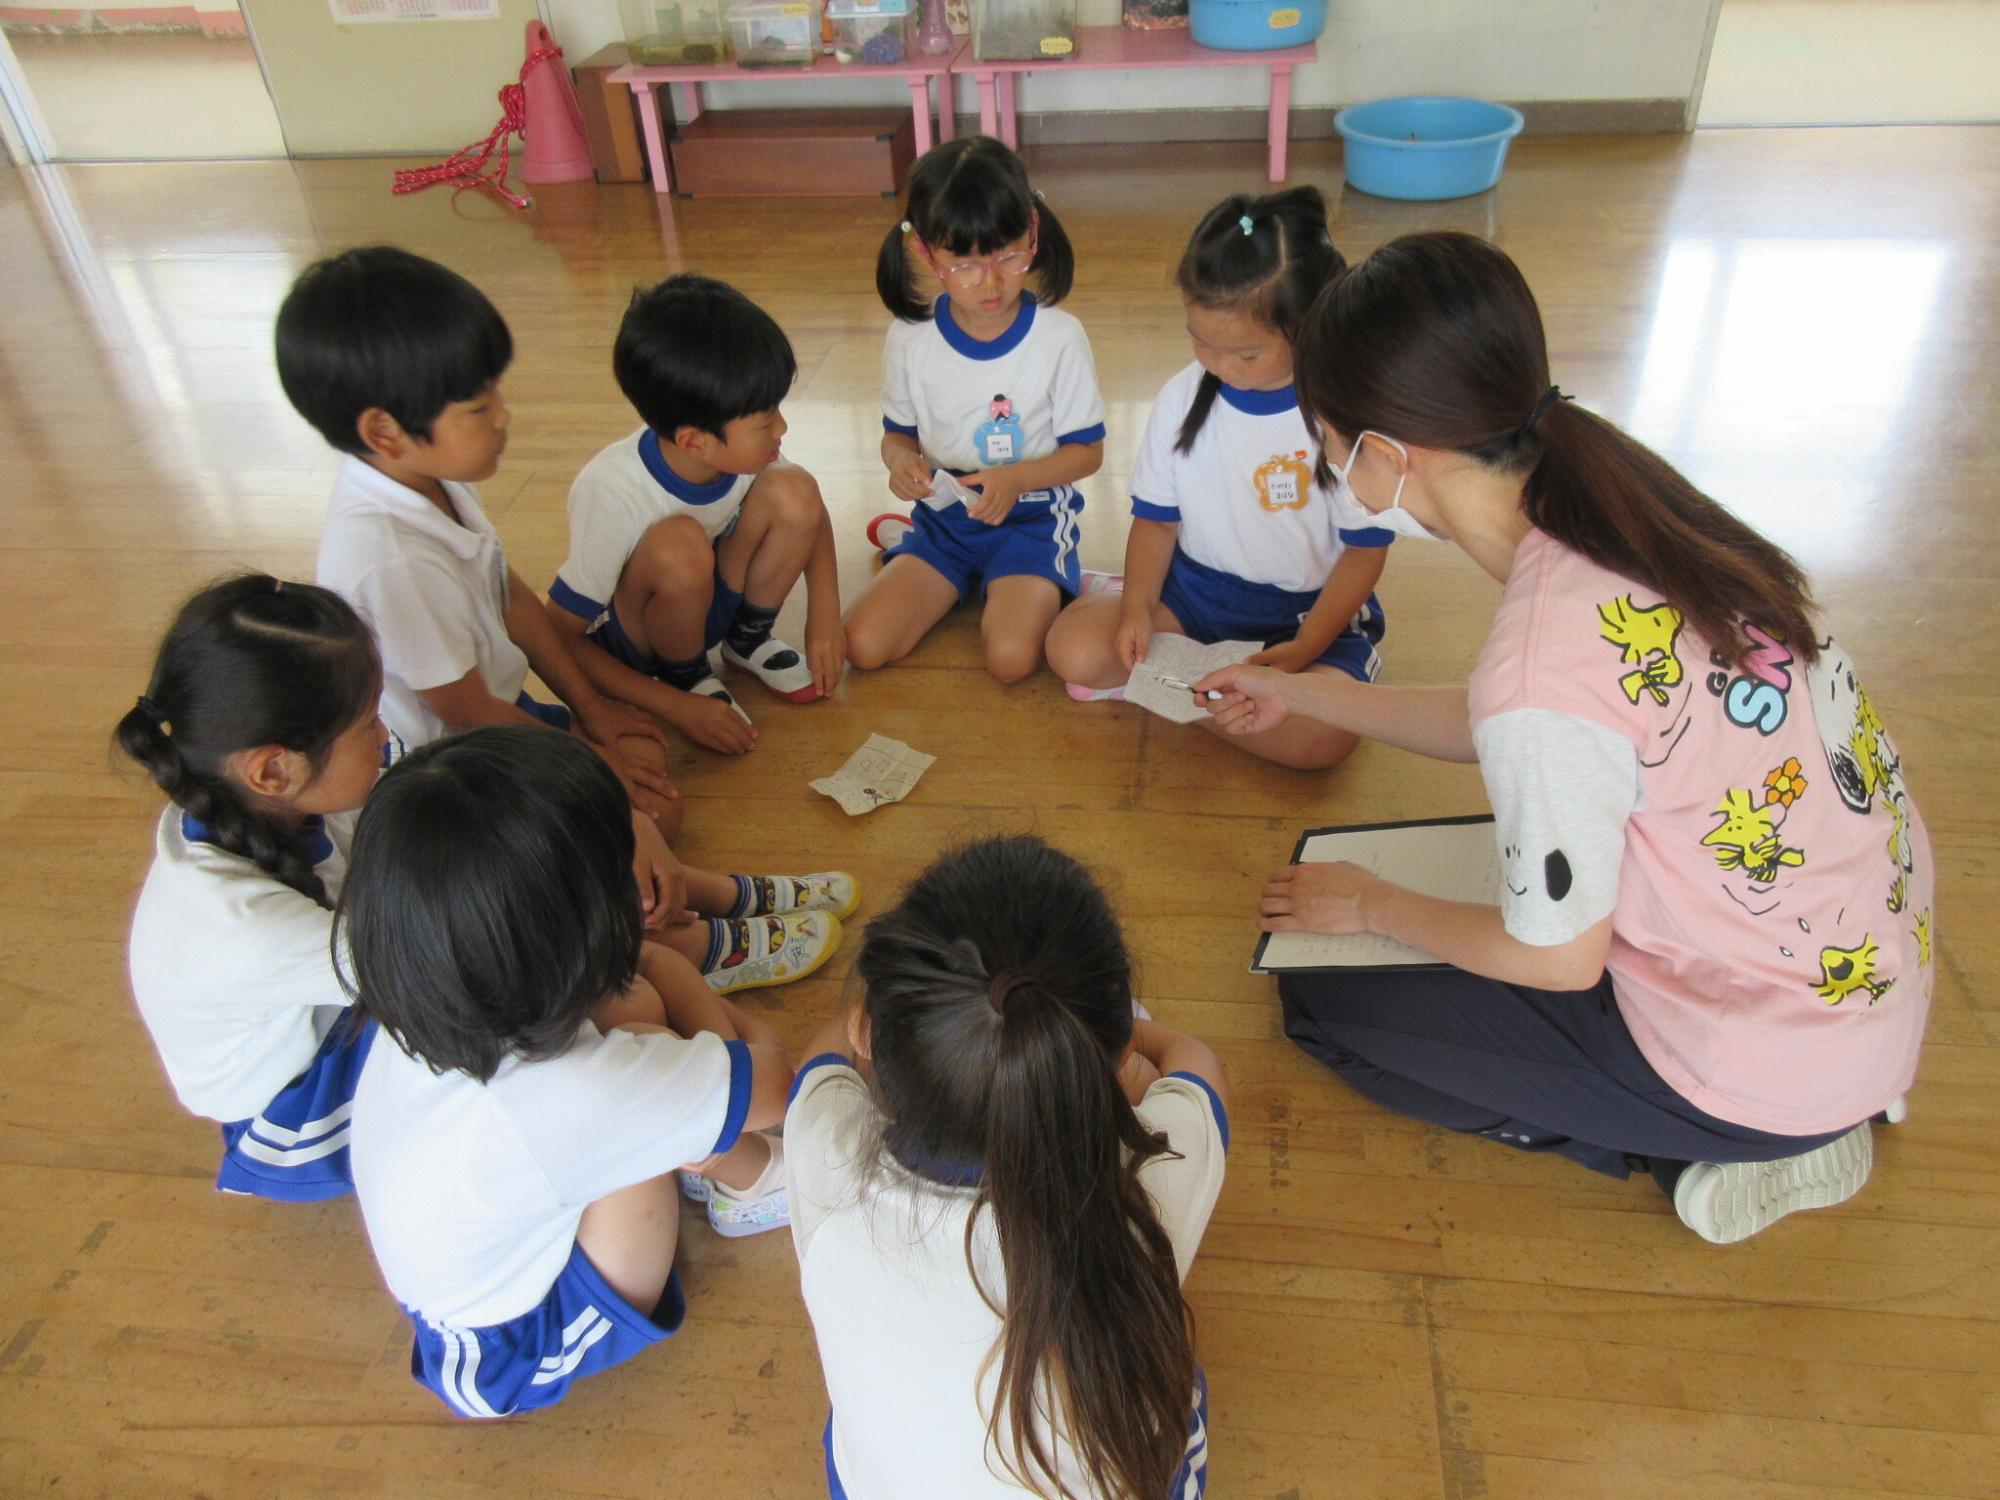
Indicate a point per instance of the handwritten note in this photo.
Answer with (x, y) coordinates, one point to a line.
(1160, 682)
(1454, 859)
(883, 770)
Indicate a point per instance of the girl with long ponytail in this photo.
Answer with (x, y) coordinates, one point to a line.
(1710, 956)
(259, 724)
(999, 1175)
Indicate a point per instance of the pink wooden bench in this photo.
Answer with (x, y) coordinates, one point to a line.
(1105, 48)
(644, 78)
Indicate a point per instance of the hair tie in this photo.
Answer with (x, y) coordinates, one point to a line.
(1004, 984)
(906, 226)
(1246, 224)
(1549, 398)
(154, 712)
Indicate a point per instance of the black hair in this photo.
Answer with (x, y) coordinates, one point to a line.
(251, 661)
(378, 326)
(999, 1002)
(1271, 272)
(1437, 340)
(489, 904)
(970, 196)
(695, 352)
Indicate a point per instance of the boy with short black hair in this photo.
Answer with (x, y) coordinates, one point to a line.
(396, 361)
(691, 532)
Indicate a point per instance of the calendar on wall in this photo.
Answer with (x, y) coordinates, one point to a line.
(354, 12)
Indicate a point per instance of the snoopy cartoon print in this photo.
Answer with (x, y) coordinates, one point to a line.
(1747, 837)
(1654, 679)
(1858, 753)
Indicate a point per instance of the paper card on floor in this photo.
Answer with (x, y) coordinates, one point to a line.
(1454, 859)
(1160, 682)
(946, 491)
(883, 770)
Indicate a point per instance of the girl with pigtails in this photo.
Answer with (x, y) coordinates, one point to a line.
(993, 385)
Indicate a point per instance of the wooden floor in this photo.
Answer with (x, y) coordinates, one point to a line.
(1806, 321)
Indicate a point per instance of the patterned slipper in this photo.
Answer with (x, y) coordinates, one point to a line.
(779, 667)
(763, 951)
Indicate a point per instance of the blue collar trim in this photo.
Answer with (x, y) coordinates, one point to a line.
(319, 847)
(1261, 403)
(972, 348)
(681, 489)
(945, 1173)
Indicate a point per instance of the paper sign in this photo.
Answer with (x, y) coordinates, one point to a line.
(947, 491)
(883, 770)
(356, 12)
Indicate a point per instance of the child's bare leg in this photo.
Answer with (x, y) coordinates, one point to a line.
(638, 1008)
(630, 1235)
(896, 610)
(710, 894)
(764, 556)
(1020, 608)
(666, 588)
(687, 1001)
(1298, 743)
(1083, 642)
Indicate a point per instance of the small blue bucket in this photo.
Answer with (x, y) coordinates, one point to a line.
(1426, 147)
(1255, 25)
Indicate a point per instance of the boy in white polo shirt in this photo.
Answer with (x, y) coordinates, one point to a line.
(396, 360)
(689, 533)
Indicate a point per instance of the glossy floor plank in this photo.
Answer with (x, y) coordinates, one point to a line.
(1806, 321)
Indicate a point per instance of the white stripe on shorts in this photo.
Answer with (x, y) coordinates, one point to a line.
(574, 1357)
(290, 1156)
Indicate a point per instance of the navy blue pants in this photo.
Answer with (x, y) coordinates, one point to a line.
(1540, 1070)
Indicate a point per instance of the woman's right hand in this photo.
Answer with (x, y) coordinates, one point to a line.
(910, 478)
(1254, 699)
(1135, 633)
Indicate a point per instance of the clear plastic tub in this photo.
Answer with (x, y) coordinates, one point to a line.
(775, 33)
(873, 31)
(674, 31)
(1004, 29)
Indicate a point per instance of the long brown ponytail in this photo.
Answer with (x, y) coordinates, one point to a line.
(1436, 340)
(999, 998)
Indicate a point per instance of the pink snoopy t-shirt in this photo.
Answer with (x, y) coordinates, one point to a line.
(1747, 830)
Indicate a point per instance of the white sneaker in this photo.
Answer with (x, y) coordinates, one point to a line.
(779, 667)
(763, 1206)
(825, 890)
(772, 950)
(1101, 583)
(1724, 1204)
(711, 687)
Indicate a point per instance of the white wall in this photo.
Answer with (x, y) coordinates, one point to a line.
(1854, 62)
(1496, 49)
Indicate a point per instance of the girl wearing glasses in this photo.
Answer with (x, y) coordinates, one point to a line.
(1233, 535)
(995, 387)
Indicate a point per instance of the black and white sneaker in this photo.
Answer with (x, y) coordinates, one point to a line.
(1727, 1203)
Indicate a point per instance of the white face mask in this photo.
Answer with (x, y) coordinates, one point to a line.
(1395, 518)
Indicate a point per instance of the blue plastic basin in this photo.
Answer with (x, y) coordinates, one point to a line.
(1426, 146)
(1255, 25)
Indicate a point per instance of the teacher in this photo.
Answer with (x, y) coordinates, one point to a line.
(1711, 959)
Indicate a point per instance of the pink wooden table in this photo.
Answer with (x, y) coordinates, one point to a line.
(1101, 48)
(643, 78)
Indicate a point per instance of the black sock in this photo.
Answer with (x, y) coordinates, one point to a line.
(751, 627)
(683, 674)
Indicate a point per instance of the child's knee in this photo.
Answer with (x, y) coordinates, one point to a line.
(1319, 752)
(674, 555)
(1011, 658)
(792, 497)
(1074, 648)
(869, 642)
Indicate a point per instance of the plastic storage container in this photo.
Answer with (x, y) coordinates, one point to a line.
(873, 31)
(775, 33)
(1425, 147)
(1255, 25)
(674, 31)
(1043, 29)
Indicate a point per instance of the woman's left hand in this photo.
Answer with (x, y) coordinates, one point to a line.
(1330, 899)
